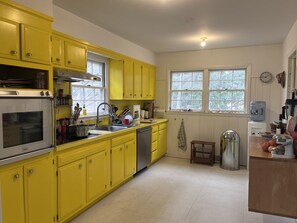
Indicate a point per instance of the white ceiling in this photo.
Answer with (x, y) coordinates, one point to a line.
(178, 25)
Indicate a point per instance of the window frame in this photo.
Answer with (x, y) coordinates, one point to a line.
(94, 57)
(171, 91)
(205, 95)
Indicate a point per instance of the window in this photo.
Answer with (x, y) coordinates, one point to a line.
(227, 90)
(91, 93)
(186, 90)
(223, 91)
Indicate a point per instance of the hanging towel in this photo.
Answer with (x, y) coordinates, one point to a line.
(182, 141)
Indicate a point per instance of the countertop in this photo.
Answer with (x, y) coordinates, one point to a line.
(256, 152)
(69, 143)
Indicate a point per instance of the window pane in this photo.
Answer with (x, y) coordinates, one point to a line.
(223, 85)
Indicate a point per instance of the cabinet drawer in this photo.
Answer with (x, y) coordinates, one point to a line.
(154, 136)
(82, 152)
(154, 155)
(123, 139)
(162, 126)
(154, 146)
(155, 128)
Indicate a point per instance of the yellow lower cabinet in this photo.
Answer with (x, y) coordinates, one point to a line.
(162, 142)
(130, 158)
(117, 165)
(12, 195)
(97, 170)
(39, 191)
(71, 188)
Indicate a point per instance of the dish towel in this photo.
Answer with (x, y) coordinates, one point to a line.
(182, 141)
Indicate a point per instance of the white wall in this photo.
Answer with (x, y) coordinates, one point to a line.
(73, 25)
(209, 127)
(289, 46)
(44, 6)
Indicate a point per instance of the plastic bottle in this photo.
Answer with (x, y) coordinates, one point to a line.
(84, 110)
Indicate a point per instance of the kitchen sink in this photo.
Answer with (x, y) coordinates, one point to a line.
(111, 128)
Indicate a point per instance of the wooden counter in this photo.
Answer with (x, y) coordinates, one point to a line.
(272, 182)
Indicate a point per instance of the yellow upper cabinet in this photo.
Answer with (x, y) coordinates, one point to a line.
(116, 79)
(128, 79)
(137, 70)
(145, 82)
(75, 55)
(152, 85)
(57, 51)
(36, 45)
(68, 53)
(9, 39)
(25, 34)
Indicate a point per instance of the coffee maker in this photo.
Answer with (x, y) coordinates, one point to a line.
(149, 106)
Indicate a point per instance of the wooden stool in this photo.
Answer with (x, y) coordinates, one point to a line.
(201, 154)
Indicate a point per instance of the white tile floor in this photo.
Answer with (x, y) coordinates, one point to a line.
(175, 191)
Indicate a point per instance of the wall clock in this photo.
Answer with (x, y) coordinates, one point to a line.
(266, 77)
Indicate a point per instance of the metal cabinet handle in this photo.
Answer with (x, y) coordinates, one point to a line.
(57, 59)
(16, 176)
(90, 161)
(69, 62)
(31, 171)
(130, 94)
(80, 165)
(28, 54)
(13, 52)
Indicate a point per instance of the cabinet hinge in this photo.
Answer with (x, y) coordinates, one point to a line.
(51, 38)
(105, 186)
(57, 217)
(57, 173)
(53, 162)
(111, 183)
(51, 59)
(105, 154)
(110, 151)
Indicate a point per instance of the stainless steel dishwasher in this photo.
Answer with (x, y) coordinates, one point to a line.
(144, 143)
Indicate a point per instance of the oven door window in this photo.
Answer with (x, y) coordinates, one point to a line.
(21, 128)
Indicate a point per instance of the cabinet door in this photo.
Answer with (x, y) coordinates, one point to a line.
(145, 82)
(152, 85)
(137, 80)
(36, 45)
(39, 196)
(57, 51)
(75, 56)
(12, 196)
(130, 158)
(10, 35)
(71, 188)
(96, 175)
(116, 79)
(162, 142)
(117, 165)
(128, 79)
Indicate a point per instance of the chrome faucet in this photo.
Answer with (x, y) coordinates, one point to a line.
(110, 113)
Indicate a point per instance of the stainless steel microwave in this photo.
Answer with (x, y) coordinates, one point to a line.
(25, 124)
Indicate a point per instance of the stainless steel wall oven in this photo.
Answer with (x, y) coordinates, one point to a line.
(25, 124)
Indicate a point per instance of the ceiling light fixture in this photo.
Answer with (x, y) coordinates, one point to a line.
(203, 41)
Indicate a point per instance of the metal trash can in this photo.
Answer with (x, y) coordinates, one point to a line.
(229, 159)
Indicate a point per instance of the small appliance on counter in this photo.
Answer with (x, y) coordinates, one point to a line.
(257, 111)
(284, 148)
(149, 106)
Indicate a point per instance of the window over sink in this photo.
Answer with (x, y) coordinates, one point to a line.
(91, 93)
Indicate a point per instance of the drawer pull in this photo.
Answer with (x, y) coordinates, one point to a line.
(90, 161)
(58, 59)
(80, 166)
(16, 176)
(28, 54)
(69, 62)
(31, 171)
(13, 52)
